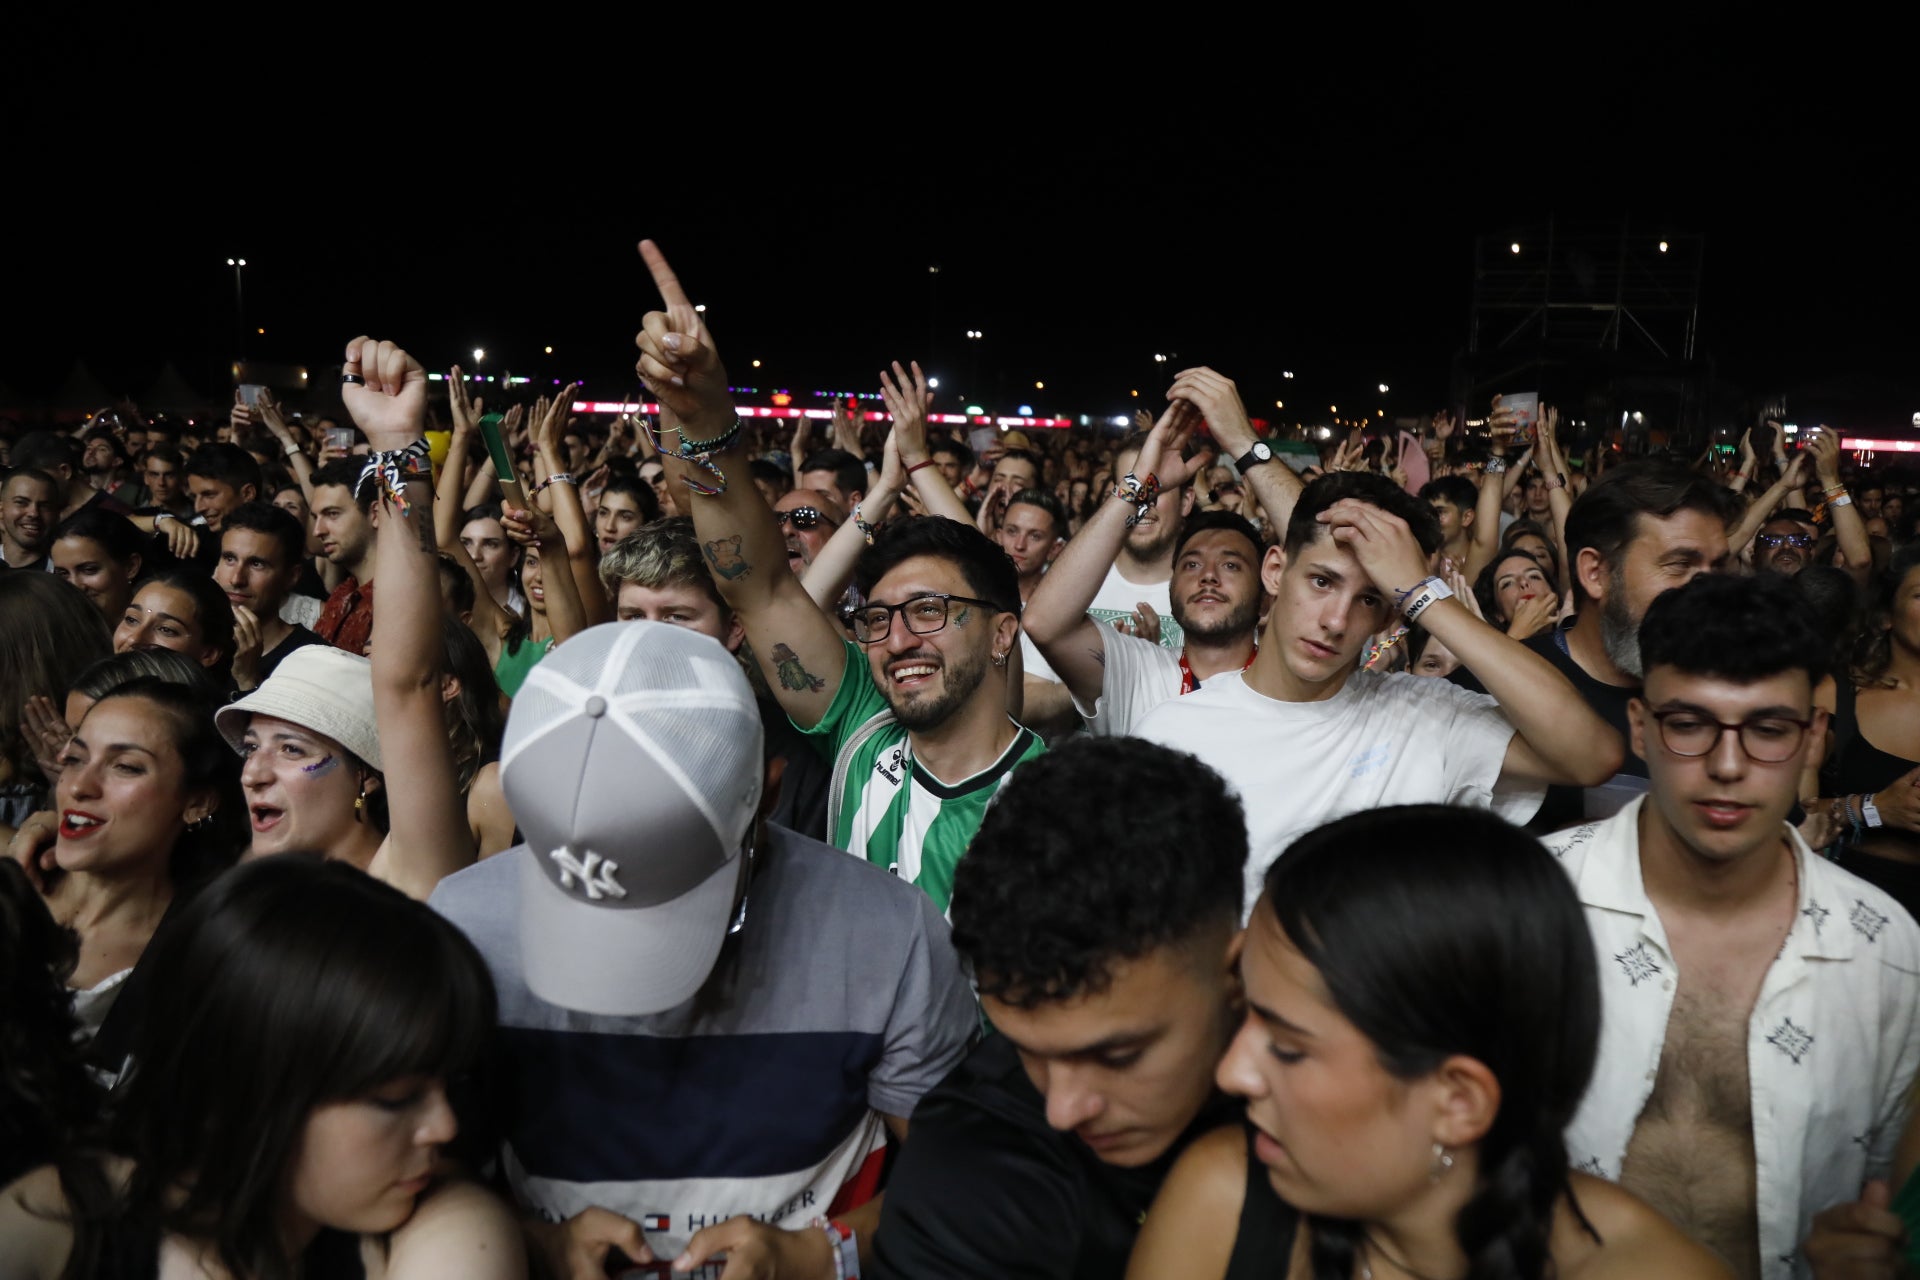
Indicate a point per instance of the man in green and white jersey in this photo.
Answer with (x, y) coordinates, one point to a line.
(913, 712)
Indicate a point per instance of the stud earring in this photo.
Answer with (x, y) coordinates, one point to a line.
(1442, 1162)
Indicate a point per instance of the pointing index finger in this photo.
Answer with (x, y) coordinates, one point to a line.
(663, 278)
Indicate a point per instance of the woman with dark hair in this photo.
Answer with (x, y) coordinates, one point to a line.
(1516, 593)
(307, 1145)
(1532, 537)
(1422, 1019)
(182, 609)
(1870, 785)
(101, 553)
(149, 807)
(48, 632)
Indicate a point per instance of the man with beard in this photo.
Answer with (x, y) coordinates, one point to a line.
(1784, 544)
(1215, 596)
(1643, 528)
(29, 509)
(913, 710)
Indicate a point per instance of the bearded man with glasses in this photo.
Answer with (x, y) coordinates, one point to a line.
(1760, 1033)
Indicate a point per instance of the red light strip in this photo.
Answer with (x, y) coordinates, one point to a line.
(754, 411)
(1880, 446)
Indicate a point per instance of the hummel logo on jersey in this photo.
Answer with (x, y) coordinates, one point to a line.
(595, 875)
(891, 765)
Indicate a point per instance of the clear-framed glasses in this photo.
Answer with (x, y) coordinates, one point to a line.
(804, 518)
(924, 614)
(1765, 739)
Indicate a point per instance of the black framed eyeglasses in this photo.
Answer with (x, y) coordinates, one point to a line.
(804, 518)
(1768, 541)
(1765, 739)
(925, 614)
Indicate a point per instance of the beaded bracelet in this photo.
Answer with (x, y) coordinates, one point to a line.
(866, 530)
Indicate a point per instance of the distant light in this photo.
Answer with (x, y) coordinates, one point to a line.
(1159, 359)
(1663, 246)
(1383, 388)
(259, 330)
(1279, 404)
(243, 262)
(1333, 408)
(550, 352)
(974, 408)
(1325, 433)
(1119, 419)
(1038, 386)
(931, 382)
(231, 262)
(700, 307)
(1380, 412)
(934, 270)
(1639, 417)
(479, 354)
(1791, 429)
(1515, 246)
(1916, 417)
(1287, 374)
(756, 363)
(975, 333)
(1026, 411)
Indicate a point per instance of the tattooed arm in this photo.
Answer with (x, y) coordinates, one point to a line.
(800, 650)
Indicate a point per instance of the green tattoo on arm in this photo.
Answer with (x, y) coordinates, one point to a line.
(724, 555)
(786, 664)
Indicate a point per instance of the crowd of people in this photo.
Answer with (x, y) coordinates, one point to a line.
(730, 852)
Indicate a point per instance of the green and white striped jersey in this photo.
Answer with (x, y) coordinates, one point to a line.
(883, 808)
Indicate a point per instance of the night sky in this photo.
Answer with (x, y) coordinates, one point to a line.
(1311, 221)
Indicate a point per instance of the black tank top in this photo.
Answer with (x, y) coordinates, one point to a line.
(1263, 1246)
(1858, 767)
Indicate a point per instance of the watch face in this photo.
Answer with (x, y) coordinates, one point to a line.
(1262, 452)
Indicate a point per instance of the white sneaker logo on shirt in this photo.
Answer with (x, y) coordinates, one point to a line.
(595, 875)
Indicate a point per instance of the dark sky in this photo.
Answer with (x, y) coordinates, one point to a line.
(1316, 221)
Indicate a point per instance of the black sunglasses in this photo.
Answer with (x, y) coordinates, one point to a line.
(805, 518)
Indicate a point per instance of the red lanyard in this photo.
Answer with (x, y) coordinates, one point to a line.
(1189, 682)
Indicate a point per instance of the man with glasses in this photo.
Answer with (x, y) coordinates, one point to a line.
(1784, 544)
(913, 711)
(1760, 1034)
(807, 518)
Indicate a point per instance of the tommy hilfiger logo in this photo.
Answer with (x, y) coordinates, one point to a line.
(595, 875)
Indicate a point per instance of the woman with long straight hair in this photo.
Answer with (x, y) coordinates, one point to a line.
(288, 1102)
(1422, 1019)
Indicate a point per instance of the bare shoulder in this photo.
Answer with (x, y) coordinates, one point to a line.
(459, 1229)
(1191, 1227)
(1636, 1241)
(34, 1227)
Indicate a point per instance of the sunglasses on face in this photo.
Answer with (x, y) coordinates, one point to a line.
(805, 518)
(1768, 541)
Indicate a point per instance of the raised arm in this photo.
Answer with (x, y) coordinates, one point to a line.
(1073, 644)
(1275, 485)
(428, 837)
(1849, 530)
(1553, 467)
(569, 513)
(297, 459)
(909, 403)
(449, 494)
(1761, 508)
(827, 577)
(1557, 737)
(799, 649)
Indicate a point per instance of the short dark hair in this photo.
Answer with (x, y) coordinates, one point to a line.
(1457, 491)
(1201, 521)
(1799, 515)
(958, 448)
(1060, 883)
(226, 464)
(849, 473)
(989, 573)
(46, 451)
(1606, 517)
(1046, 502)
(1304, 526)
(167, 453)
(345, 473)
(262, 517)
(640, 491)
(1032, 459)
(1738, 628)
(108, 434)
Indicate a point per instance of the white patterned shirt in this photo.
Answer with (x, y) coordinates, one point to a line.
(1832, 1044)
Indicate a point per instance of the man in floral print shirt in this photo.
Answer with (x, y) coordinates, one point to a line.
(1760, 1034)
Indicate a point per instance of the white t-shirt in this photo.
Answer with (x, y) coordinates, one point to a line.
(1033, 662)
(1382, 740)
(1119, 598)
(1138, 677)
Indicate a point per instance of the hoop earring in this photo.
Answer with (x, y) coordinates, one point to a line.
(999, 659)
(1442, 1162)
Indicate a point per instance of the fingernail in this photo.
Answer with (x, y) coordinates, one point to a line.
(673, 342)
(677, 380)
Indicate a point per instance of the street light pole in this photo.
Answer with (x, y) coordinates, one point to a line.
(239, 304)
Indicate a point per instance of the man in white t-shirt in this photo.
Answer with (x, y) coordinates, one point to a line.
(1215, 594)
(1142, 574)
(1306, 737)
